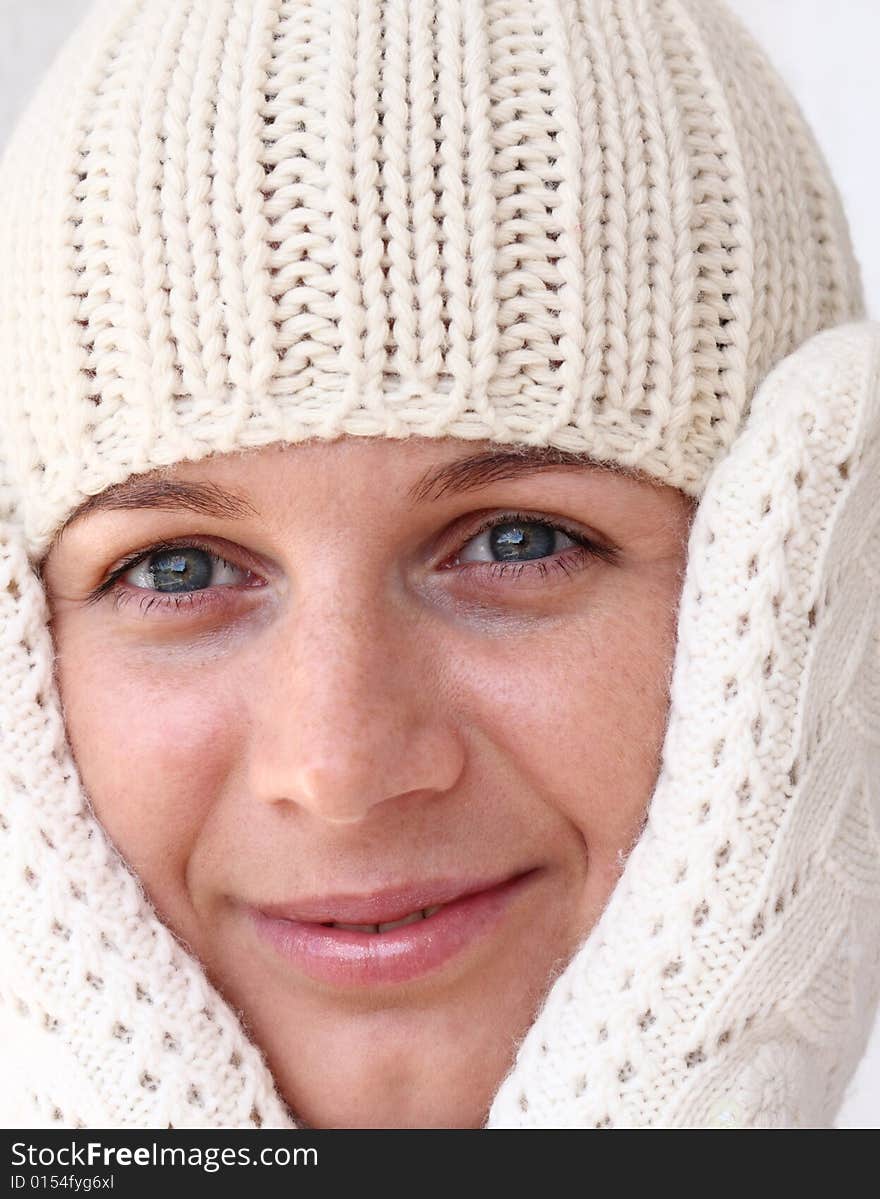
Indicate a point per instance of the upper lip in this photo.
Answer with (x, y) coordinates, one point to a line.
(380, 907)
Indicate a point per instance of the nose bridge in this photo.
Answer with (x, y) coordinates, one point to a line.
(348, 718)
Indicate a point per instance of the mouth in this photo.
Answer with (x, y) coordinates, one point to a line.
(406, 938)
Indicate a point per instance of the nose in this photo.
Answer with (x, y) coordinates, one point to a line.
(351, 712)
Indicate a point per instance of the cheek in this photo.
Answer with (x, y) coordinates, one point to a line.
(153, 744)
(580, 711)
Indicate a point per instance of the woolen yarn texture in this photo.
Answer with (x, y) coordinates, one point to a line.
(596, 225)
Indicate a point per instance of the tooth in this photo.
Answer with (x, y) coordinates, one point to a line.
(384, 928)
(411, 919)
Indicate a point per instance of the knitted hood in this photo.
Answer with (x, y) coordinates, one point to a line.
(596, 224)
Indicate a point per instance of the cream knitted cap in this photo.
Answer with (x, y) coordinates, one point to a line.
(594, 226)
(600, 225)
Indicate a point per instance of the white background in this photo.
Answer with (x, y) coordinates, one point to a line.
(828, 54)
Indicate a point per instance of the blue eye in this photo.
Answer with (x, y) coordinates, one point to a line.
(174, 575)
(181, 569)
(515, 541)
(516, 545)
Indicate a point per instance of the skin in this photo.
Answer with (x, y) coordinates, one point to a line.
(375, 709)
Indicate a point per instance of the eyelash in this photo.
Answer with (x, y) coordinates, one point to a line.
(573, 558)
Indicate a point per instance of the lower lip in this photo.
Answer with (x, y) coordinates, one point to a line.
(344, 957)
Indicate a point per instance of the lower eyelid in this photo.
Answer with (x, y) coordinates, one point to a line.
(564, 565)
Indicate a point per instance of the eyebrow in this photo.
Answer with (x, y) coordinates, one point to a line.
(208, 499)
(480, 470)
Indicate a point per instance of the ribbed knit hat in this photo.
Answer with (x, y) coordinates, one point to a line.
(595, 226)
(599, 225)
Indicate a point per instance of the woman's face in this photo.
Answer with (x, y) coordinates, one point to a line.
(364, 687)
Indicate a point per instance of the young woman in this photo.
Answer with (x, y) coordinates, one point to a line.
(438, 560)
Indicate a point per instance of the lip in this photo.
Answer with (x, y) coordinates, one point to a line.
(349, 958)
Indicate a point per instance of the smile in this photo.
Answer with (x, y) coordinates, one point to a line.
(348, 953)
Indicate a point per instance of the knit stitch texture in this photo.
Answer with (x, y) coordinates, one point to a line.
(598, 225)
(591, 226)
